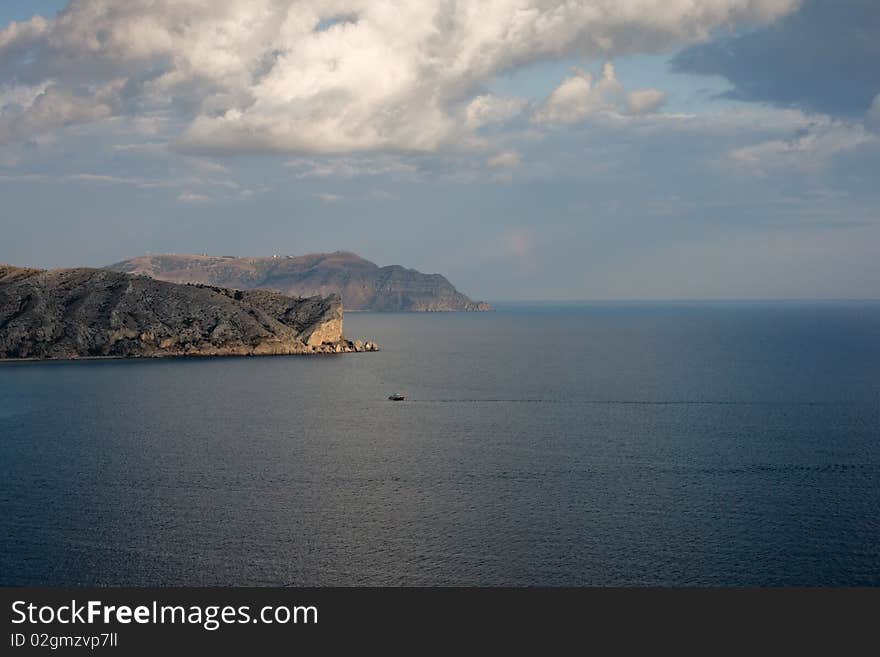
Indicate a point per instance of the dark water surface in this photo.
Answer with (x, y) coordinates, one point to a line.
(723, 444)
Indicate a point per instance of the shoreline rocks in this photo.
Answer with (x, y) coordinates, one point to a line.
(345, 347)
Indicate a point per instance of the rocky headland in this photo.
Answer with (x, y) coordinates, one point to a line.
(362, 284)
(94, 313)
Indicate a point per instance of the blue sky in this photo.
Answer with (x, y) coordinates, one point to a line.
(626, 150)
(20, 10)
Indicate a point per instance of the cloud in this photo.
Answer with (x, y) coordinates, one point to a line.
(230, 186)
(206, 166)
(144, 147)
(23, 177)
(872, 118)
(310, 76)
(31, 110)
(104, 179)
(19, 97)
(505, 160)
(192, 197)
(645, 101)
(579, 98)
(808, 149)
(20, 35)
(488, 109)
(823, 58)
(330, 198)
(352, 167)
(381, 195)
(571, 102)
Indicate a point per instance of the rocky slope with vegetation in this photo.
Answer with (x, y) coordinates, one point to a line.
(81, 313)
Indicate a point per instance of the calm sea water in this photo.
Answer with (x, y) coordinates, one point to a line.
(604, 444)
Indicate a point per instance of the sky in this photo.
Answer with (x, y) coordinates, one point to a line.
(526, 149)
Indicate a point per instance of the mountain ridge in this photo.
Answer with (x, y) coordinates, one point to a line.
(362, 284)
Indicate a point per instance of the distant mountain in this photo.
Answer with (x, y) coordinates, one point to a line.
(77, 313)
(362, 284)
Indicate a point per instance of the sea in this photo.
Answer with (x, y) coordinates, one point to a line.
(543, 444)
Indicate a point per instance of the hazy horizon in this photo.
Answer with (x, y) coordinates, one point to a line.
(549, 151)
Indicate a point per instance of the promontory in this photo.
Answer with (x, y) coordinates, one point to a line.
(90, 313)
(363, 285)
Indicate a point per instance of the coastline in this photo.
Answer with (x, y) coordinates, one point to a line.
(327, 349)
(427, 311)
(75, 359)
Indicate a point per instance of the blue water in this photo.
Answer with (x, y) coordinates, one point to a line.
(603, 444)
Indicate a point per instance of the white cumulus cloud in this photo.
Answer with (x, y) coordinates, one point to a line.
(579, 97)
(644, 101)
(328, 76)
(488, 109)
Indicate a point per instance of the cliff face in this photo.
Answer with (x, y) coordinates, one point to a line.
(76, 313)
(362, 284)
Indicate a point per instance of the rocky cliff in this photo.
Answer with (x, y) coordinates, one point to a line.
(77, 313)
(362, 284)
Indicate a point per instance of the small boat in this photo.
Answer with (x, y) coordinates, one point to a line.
(397, 396)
